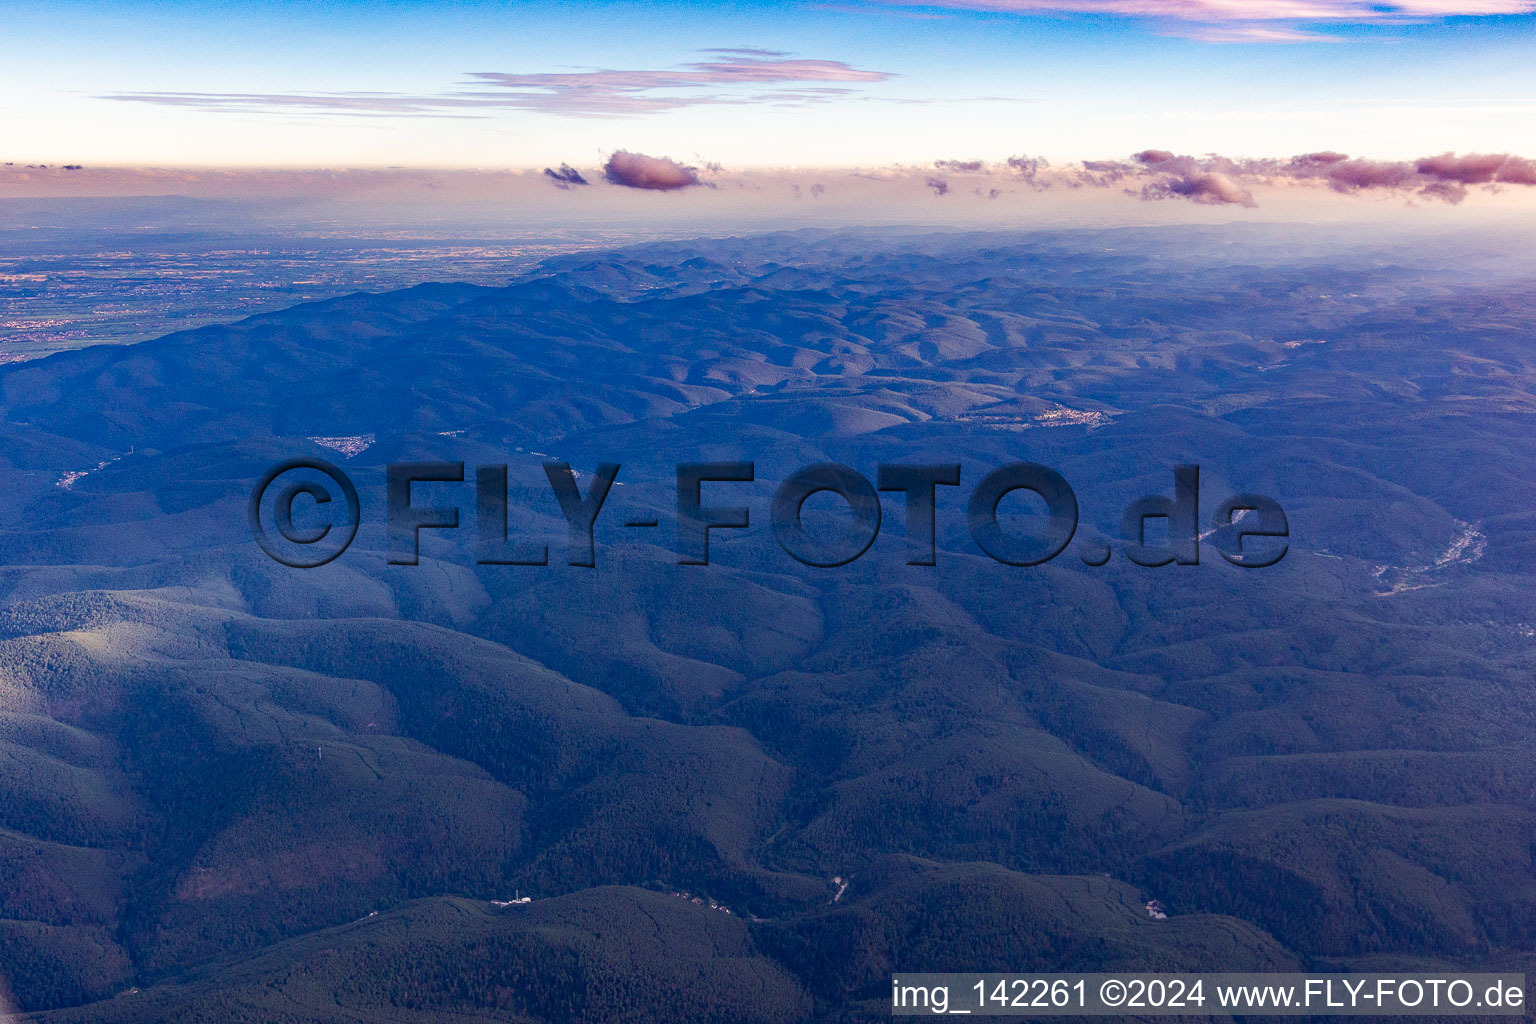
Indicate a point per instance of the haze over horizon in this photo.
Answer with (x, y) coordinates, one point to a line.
(234, 98)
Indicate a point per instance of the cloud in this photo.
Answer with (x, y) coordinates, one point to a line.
(745, 51)
(566, 176)
(1250, 34)
(1207, 181)
(349, 104)
(658, 174)
(1478, 168)
(1103, 173)
(729, 77)
(610, 92)
(1217, 179)
(1217, 11)
(1353, 175)
(939, 186)
(1322, 158)
(1244, 21)
(1212, 189)
(1518, 171)
(1447, 191)
(1031, 170)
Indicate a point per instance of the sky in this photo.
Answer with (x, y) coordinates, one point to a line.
(753, 90)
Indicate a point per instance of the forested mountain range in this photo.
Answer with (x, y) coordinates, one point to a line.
(750, 790)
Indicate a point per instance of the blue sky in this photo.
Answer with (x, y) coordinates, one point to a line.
(847, 84)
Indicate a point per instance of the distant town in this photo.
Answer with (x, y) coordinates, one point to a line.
(59, 291)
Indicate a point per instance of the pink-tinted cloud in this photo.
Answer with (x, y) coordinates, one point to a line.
(1249, 34)
(1154, 157)
(733, 76)
(657, 174)
(1518, 170)
(1103, 173)
(1445, 191)
(1218, 179)
(611, 92)
(1353, 175)
(1324, 158)
(1472, 169)
(1217, 11)
(1210, 189)
(1245, 21)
